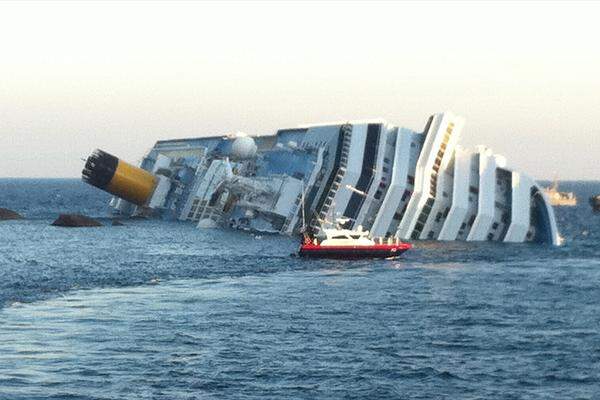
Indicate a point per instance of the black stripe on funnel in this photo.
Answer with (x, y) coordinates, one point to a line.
(99, 169)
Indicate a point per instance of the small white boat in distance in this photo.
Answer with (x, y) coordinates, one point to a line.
(560, 199)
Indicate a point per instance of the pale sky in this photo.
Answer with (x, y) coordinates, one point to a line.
(119, 76)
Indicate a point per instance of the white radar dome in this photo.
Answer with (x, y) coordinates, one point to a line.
(243, 147)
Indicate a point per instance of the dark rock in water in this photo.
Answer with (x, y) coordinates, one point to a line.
(6, 214)
(75, 221)
(595, 203)
(116, 222)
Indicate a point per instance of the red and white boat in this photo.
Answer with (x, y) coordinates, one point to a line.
(351, 244)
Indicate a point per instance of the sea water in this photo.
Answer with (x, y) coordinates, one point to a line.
(162, 310)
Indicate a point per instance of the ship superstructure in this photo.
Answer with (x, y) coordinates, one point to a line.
(390, 180)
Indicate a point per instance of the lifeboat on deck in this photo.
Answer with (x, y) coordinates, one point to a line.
(351, 244)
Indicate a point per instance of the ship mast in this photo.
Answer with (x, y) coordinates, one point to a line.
(303, 211)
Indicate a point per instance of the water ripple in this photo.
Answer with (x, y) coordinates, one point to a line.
(157, 310)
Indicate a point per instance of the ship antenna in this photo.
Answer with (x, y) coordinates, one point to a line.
(333, 217)
(303, 211)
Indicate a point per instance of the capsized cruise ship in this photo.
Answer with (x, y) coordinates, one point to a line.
(392, 181)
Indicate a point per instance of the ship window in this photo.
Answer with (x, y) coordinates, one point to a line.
(438, 217)
(490, 236)
(444, 194)
(471, 220)
(386, 160)
(377, 195)
(463, 226)
(495, 226)
(385, 169)
(410, 179)
(473, 190)
(430, 235)
(412, 144)
(419, 227)
(355, 236)
(340, 237)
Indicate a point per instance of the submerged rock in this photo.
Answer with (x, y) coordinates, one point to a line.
(75, 221)
(6, 214)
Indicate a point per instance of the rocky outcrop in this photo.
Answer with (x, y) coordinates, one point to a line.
(6, 214)
(595, 203)
(75, 221)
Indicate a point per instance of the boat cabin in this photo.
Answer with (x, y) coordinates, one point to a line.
(346, 237)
